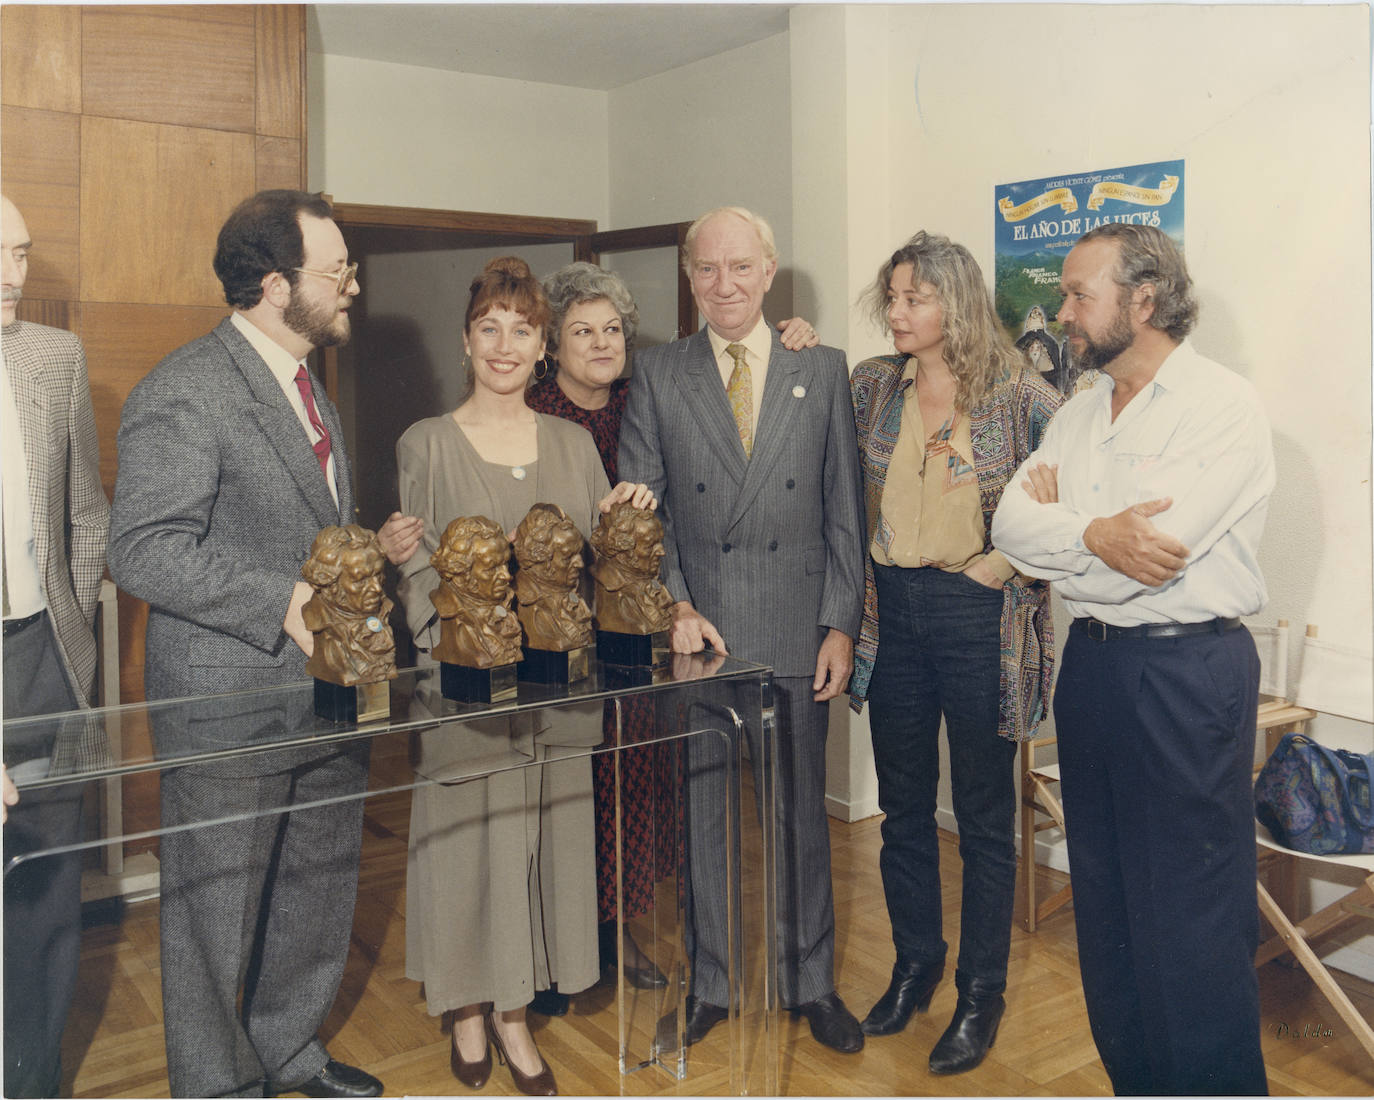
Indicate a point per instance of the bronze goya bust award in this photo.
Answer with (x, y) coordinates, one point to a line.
(477, 626)
(630, 599)
(548, 547)
(348, 613)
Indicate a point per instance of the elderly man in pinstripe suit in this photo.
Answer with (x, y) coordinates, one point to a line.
(55, 523)
(751, 450)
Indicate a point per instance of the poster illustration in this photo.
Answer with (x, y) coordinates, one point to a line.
(1038, 221)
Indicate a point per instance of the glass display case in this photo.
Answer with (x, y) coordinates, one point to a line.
(670, 722)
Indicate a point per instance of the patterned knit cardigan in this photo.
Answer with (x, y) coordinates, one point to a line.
(1005, 429)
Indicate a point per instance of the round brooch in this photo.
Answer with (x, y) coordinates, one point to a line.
(518, 472)
(374, 624)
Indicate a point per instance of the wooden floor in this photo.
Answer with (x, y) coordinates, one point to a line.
(113, 1043)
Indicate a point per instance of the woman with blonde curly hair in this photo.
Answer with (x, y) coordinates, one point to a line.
(942, 426)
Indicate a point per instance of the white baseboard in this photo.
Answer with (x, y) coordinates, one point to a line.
(140, 879)
(850, 812)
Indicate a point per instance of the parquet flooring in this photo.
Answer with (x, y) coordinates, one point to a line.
(113, 1045)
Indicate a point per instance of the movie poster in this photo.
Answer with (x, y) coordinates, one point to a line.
(1038, 221)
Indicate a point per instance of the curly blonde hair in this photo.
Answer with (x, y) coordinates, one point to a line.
(978, 351)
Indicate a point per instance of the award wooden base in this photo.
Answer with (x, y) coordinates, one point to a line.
(547, 666)
(477, 685)
(359, 703)
(633, 650)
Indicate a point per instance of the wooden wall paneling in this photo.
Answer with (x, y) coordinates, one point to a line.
(41, 155)
(123, 343)
(54, 314)
(187, 65)
(280, 163)
(40, 56)
(281, 71)
(153, 199)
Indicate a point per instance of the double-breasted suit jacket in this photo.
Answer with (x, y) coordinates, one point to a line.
(767, 547)
(218, 498)
(47, 371)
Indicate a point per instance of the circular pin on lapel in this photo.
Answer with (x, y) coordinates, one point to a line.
(798, 391)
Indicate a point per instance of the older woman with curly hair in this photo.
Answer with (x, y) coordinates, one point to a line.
(942, 426)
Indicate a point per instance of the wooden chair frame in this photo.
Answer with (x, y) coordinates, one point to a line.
(1041, 809)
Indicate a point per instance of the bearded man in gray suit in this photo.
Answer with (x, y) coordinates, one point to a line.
(55, 522)
(231, 460)
(750, 448)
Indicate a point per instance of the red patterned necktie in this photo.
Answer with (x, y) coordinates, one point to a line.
(322, 446)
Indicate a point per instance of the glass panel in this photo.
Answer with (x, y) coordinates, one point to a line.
(705, 715)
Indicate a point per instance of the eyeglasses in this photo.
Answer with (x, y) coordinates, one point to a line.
(345, 276)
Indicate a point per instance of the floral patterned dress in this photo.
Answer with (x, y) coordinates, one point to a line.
(646, 815)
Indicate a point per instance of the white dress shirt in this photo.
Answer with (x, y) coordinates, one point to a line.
(23, 580)
(284, 366)
(1197, 433)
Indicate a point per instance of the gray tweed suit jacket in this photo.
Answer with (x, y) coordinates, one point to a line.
(218, 499)
(47, 371)
(768, 548)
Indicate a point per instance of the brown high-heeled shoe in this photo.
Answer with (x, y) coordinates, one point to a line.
(541, 1084)
(473, 1074)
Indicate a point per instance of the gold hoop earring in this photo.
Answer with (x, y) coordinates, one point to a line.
(538, 377)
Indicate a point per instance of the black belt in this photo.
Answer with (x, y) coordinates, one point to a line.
(14, 626)
(1105, 632)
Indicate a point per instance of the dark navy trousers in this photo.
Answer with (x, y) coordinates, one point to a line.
(1156, 748)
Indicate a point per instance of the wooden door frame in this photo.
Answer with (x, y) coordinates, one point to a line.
(669, 234)
(588, 244)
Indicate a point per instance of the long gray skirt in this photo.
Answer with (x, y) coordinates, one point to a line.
(501, 876)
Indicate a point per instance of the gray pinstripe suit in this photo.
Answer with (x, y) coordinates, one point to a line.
(769, 549)
(218, 498)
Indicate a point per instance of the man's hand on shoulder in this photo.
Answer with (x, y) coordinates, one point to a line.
(692, 630)
(1129, 543)
(294, 623)
(834, 663)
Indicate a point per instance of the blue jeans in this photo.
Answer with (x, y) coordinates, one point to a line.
(939, 653)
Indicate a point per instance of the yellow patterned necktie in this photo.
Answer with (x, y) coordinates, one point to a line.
(740, 390)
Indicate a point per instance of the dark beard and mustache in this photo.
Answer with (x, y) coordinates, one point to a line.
(1096, 354)
(322, 325)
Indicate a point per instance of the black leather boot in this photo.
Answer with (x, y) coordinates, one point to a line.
(909, 991)
(973, 1030)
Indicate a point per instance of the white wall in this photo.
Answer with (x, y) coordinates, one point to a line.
(713, 133)
(401, 135)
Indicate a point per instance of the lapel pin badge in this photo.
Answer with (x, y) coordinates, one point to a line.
(798, 391)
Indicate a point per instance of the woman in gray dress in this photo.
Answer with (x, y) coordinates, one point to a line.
(500, 898)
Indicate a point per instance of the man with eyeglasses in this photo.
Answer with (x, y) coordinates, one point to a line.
(231, 460)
